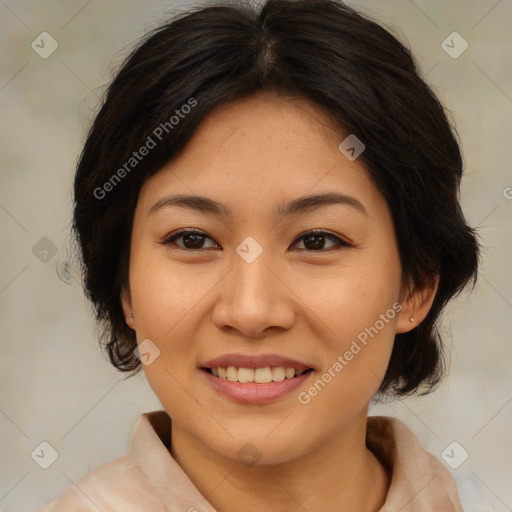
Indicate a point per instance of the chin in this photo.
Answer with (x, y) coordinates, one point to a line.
(259, 443)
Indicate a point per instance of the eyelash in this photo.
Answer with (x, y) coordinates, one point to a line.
(179, 234)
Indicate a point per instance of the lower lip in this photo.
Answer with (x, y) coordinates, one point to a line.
(253, 393)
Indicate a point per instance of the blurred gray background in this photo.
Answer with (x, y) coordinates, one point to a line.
(56, 385)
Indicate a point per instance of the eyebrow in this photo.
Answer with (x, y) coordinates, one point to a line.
(293, 207)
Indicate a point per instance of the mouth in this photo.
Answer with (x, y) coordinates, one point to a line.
(261, 375)
(255, 378)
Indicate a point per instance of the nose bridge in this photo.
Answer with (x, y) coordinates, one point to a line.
(251, 275)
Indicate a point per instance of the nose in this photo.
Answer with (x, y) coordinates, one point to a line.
(254, 298)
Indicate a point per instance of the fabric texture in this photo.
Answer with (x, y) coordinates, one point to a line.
(148, 478)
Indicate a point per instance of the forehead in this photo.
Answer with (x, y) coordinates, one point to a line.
(261, 149)
(280, 126)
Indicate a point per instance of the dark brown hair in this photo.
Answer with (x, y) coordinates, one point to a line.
(319, 50)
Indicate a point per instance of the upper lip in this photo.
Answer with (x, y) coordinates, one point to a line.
(255, 361)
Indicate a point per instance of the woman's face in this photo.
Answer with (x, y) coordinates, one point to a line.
(251, 289)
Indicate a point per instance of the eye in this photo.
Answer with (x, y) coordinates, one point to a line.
(312, 240)
(315, 240)
(192, 239)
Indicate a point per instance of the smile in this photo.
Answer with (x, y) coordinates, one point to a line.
(255, 385)
(258, 375)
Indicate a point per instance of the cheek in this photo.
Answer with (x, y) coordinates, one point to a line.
(166, 303)
(362, 324)
(356, 357)
(165, 294)
(360, 308)
(353, 297)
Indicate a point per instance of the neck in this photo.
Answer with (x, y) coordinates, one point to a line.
(340, 474)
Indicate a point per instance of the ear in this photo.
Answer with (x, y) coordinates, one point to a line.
(126, 303)
(416, 305)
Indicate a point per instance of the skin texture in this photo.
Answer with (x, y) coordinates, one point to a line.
(196, 304)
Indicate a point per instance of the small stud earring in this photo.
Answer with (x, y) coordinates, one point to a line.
(129, 315)
(411, 319)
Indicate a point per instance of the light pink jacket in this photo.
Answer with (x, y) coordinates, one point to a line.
(148, 479)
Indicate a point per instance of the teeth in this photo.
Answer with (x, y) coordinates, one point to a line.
(232, 373)
(246, 374)
(258, 375)
(278, 373)
(261, 375)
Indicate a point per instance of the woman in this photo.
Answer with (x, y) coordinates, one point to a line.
(268, 217)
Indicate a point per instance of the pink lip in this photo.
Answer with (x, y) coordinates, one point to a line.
(254, 393)
(255, 361)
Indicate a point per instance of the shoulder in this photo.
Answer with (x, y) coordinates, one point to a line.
(114, 486)
(396, 444)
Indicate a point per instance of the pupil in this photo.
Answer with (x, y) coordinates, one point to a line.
(318, 244)
(196, 244)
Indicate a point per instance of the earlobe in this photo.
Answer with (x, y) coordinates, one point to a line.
(126, 304)
(416, 305)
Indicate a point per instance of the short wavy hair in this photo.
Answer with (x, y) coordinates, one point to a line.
(323, 51)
